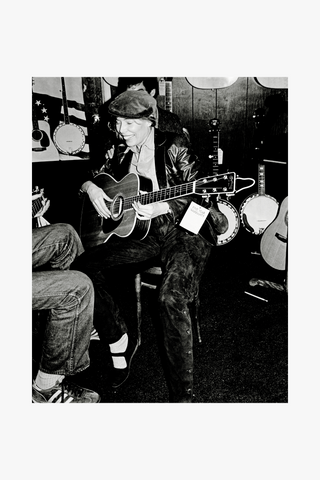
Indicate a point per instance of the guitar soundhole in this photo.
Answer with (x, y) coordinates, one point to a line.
(116, 208)
(37, 135)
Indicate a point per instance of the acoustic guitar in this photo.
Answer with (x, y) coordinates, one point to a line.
(274, 241)
(124, 222)
(211, 82)
(68, 137)
(224, 206)
(43, 148)
(40, 205)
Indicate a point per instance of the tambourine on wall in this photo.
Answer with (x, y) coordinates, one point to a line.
(59, 126)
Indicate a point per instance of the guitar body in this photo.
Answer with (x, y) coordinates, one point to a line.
(42, 146)
(274, 241)
(95, 230)
(257, 212)
(211, 82)
(69, 138)
(233, 221)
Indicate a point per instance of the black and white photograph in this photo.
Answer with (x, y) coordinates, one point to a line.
(159, 240)
(171, 253)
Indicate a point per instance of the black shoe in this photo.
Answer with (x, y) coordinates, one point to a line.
(120, 375)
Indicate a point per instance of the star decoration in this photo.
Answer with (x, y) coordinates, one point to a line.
(46, 118)
(38, 102)
(44, 110)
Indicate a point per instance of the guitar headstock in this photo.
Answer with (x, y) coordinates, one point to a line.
(216, 184)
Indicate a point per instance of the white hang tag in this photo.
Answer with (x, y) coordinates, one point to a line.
(194, 217)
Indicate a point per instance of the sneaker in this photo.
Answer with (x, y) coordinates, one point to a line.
(64, 392)
(94, 334)
(120, 375)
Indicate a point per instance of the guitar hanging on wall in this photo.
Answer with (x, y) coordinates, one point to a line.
(274, 241)
(68, 137)
(259, 209)
(224, 206)
(42, 145)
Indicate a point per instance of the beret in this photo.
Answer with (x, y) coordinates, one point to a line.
(134, 104)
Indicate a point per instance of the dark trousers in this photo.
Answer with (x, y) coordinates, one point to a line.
(183, 258)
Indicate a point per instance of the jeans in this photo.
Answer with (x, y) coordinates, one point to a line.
(67, 294)
(183, 259)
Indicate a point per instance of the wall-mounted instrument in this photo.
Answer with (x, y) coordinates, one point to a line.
(211, 82)
(168, 93)
(259, 209)
(274, 241)
(224, 206)
(42, 145)
(68, 137)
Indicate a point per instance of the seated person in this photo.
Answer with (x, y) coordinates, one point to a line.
(166, 160)
(69, 297)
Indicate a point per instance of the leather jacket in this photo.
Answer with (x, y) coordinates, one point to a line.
(175, 164)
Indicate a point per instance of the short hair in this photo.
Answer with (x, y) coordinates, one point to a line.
(149, 83)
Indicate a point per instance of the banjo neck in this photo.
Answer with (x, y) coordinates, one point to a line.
(215, 157)
(64, 101)
(261, 179)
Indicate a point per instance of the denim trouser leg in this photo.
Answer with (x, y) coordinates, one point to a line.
(57, 244)
(69, 296)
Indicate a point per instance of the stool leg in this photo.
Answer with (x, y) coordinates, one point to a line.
(137, 281)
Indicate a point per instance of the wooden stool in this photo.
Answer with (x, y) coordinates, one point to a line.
(139, 283)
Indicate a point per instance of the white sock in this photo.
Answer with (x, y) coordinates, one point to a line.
(119, 347)
(47, 380)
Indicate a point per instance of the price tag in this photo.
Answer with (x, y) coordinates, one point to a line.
(194, 217)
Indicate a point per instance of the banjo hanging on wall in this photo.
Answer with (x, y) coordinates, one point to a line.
(259, 209)
(224, 206)
(68, 137)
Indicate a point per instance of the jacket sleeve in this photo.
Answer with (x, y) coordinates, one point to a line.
(182, 166)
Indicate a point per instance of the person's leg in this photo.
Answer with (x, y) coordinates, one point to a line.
(69, 297)
(184, 257)
(96, 262)
(58, 245)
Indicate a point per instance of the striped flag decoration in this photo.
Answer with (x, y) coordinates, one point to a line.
(48, 105)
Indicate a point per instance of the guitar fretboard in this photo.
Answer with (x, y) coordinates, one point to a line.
(169, 95)
(36, 206)
(161, 195)
(215, 145)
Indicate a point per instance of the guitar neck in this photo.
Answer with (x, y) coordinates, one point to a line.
(168, 97)
(214, 123)
(64, 101)
(261, 179)
(203, 186)
(35, 123)
(161, 195)
(215, 158)
(36, 206)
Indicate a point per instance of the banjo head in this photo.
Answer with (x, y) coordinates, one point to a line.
(69, 138)
(233, 220)
(257, 212)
